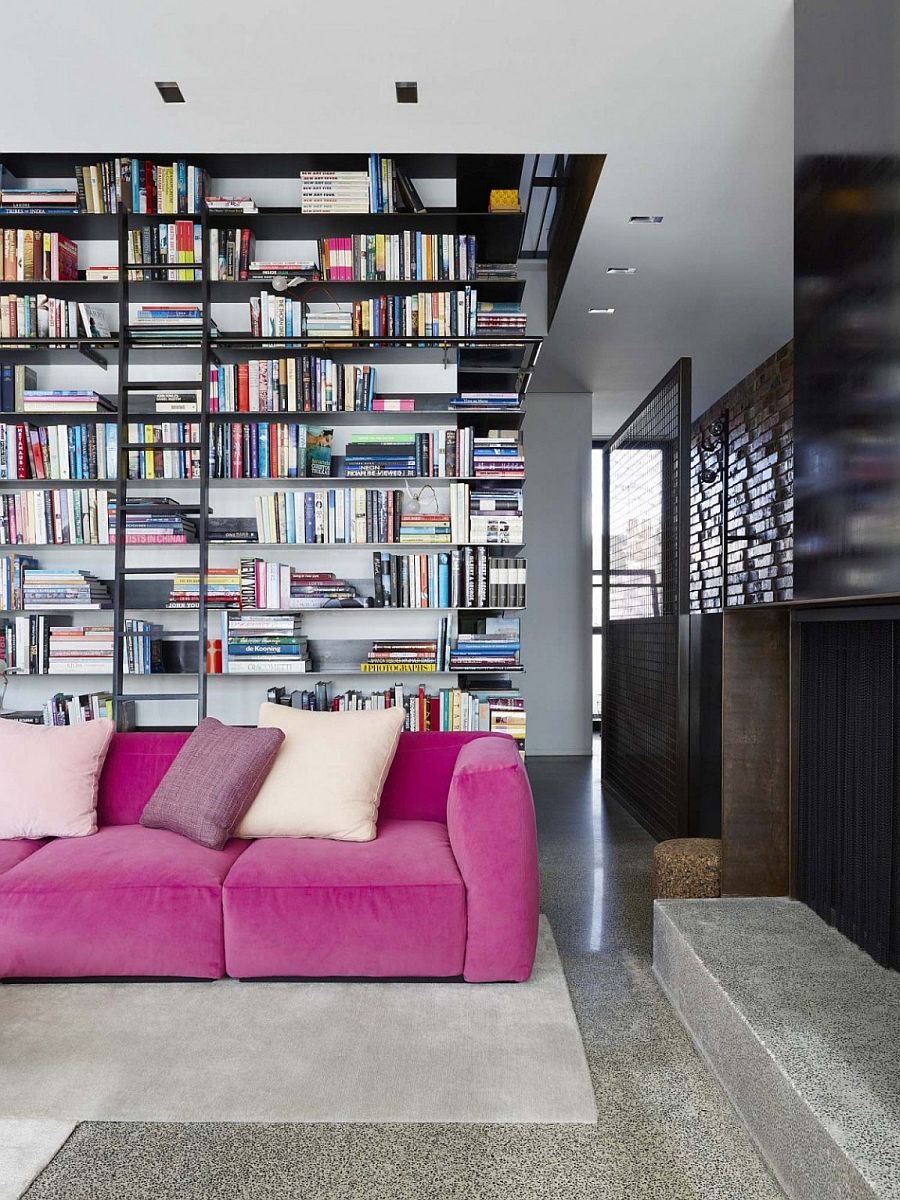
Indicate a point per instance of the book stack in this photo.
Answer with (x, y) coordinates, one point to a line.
(390, 188)
(304, 384)
(140, 186)
(276, 451)
(68, 589)
(280, 586)
(230, 253)
(141, 650)
(381, 454)
(15, 380)
(329, 192)
(401, 656)
(241, 204)
(35, 400)
(393, 403)
(231, 529)
(101, 274)
(496, 649)
(463, 578)
(500, 453)
(330, 516)
(175, 242)
(222, 586)
(12, 580)
(499, 316)
(496, 516)
(275, 316)
(159, 521)
(261, 644)
(89, 706)
(160, 463)
(411, 580)
(424, 528)
(17, 199)
(168, 322)
(506, 714)
(55, 517)
(328, 321)
(425, 314)
(40, 317)
(302, 270)
(80, 650)
(410, 255)
(496, 272)
(58, 451)
(506, 582)
(487, 400)
(32, 256)
(176, 402)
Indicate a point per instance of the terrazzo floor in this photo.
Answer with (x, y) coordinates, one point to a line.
(665, 1130)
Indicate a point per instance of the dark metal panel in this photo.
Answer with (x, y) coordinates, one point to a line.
(756, 752)
(583, 173)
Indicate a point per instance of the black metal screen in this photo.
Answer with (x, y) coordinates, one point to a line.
(848, 869)
(644, 754)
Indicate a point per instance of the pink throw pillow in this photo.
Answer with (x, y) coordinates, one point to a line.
(50, 775)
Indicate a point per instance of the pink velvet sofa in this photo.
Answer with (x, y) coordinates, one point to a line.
(449, 887)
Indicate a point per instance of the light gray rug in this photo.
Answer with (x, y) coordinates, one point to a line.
(25, 1149)
(228, 1051)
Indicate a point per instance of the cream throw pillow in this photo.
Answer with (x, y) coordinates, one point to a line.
(327, 777)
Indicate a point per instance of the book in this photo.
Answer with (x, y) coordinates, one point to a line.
(410, 255)
(31, 255)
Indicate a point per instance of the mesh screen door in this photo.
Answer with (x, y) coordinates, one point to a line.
(645, 653)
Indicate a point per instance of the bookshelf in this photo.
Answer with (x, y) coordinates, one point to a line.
(128, 370)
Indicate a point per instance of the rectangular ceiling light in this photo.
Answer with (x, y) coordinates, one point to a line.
(601, 312)
(170, 92)
(645, 220)
(407, 93)
(620, 270)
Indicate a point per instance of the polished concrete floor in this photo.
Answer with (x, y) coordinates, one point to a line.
(665, 1130)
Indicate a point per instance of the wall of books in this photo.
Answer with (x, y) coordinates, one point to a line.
(294, 383)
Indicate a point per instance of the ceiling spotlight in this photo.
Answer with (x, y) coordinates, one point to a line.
(601, 311)
(645, 220)
(620, 270)
(407, 93)
(170, 92)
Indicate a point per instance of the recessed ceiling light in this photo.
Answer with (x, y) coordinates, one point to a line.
(601, 311)
(407, 93)
(645, 220)
(620, 270)
(170, 92)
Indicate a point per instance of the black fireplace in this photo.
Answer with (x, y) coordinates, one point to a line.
(848, 772)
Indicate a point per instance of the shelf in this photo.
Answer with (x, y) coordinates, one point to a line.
(52, 350)
(82, 225)
(346, 290)
(133, 606)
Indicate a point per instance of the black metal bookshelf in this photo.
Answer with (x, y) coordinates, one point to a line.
(502, 362)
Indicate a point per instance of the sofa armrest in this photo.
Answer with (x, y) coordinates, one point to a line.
(490, 819)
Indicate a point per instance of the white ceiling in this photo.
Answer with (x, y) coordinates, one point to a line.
(691, 101)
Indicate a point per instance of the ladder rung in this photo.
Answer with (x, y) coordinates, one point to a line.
(163, 385)
(159, 634)
(158, 696)
(191, 570)
(161, 446)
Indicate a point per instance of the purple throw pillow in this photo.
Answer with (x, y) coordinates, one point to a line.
(212, 781)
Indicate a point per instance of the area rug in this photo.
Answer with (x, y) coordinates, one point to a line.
(25, 1149)
(309, 1051)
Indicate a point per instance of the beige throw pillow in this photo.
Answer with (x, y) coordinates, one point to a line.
(327, 777)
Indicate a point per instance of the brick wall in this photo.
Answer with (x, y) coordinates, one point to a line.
(751, 428)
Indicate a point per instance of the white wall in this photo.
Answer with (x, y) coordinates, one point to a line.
(556, 629)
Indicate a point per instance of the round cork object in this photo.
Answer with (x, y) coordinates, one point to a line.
(688, 869)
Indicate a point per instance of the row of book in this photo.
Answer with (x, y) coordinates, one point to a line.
(262, 451)
(47, 400)
(410, 255)
(494, 317)
(449, 710)
(464, 578)
(168, 322)
(36, 644)
(222, 588)
(409, 655)
(30, 255)
(64, 451)
(88, 706)
(47, 317)
(274, 585)
(495, 647)
(308, 383)
(160, 462)
(87, 517)
(383, 188)
(140, 186)
(165, 243)
(15, 380)
(330, 516)
(437, 454)
(491, 515)
(423, 314)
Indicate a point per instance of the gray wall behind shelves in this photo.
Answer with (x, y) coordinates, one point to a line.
(556, 628)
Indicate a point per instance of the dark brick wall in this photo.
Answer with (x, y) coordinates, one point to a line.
(756, 435)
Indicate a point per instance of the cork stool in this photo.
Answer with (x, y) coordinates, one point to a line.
(688, 869)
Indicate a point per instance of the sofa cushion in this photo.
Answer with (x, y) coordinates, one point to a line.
(212, 781)
(127, 901)
(395, 906)
(134, 767)
(50, 777)
(14, 852)
(327, 778)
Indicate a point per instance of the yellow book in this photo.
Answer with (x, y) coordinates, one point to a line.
(379, 256)
(149, 459)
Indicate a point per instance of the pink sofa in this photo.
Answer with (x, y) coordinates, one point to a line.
(449, 887)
